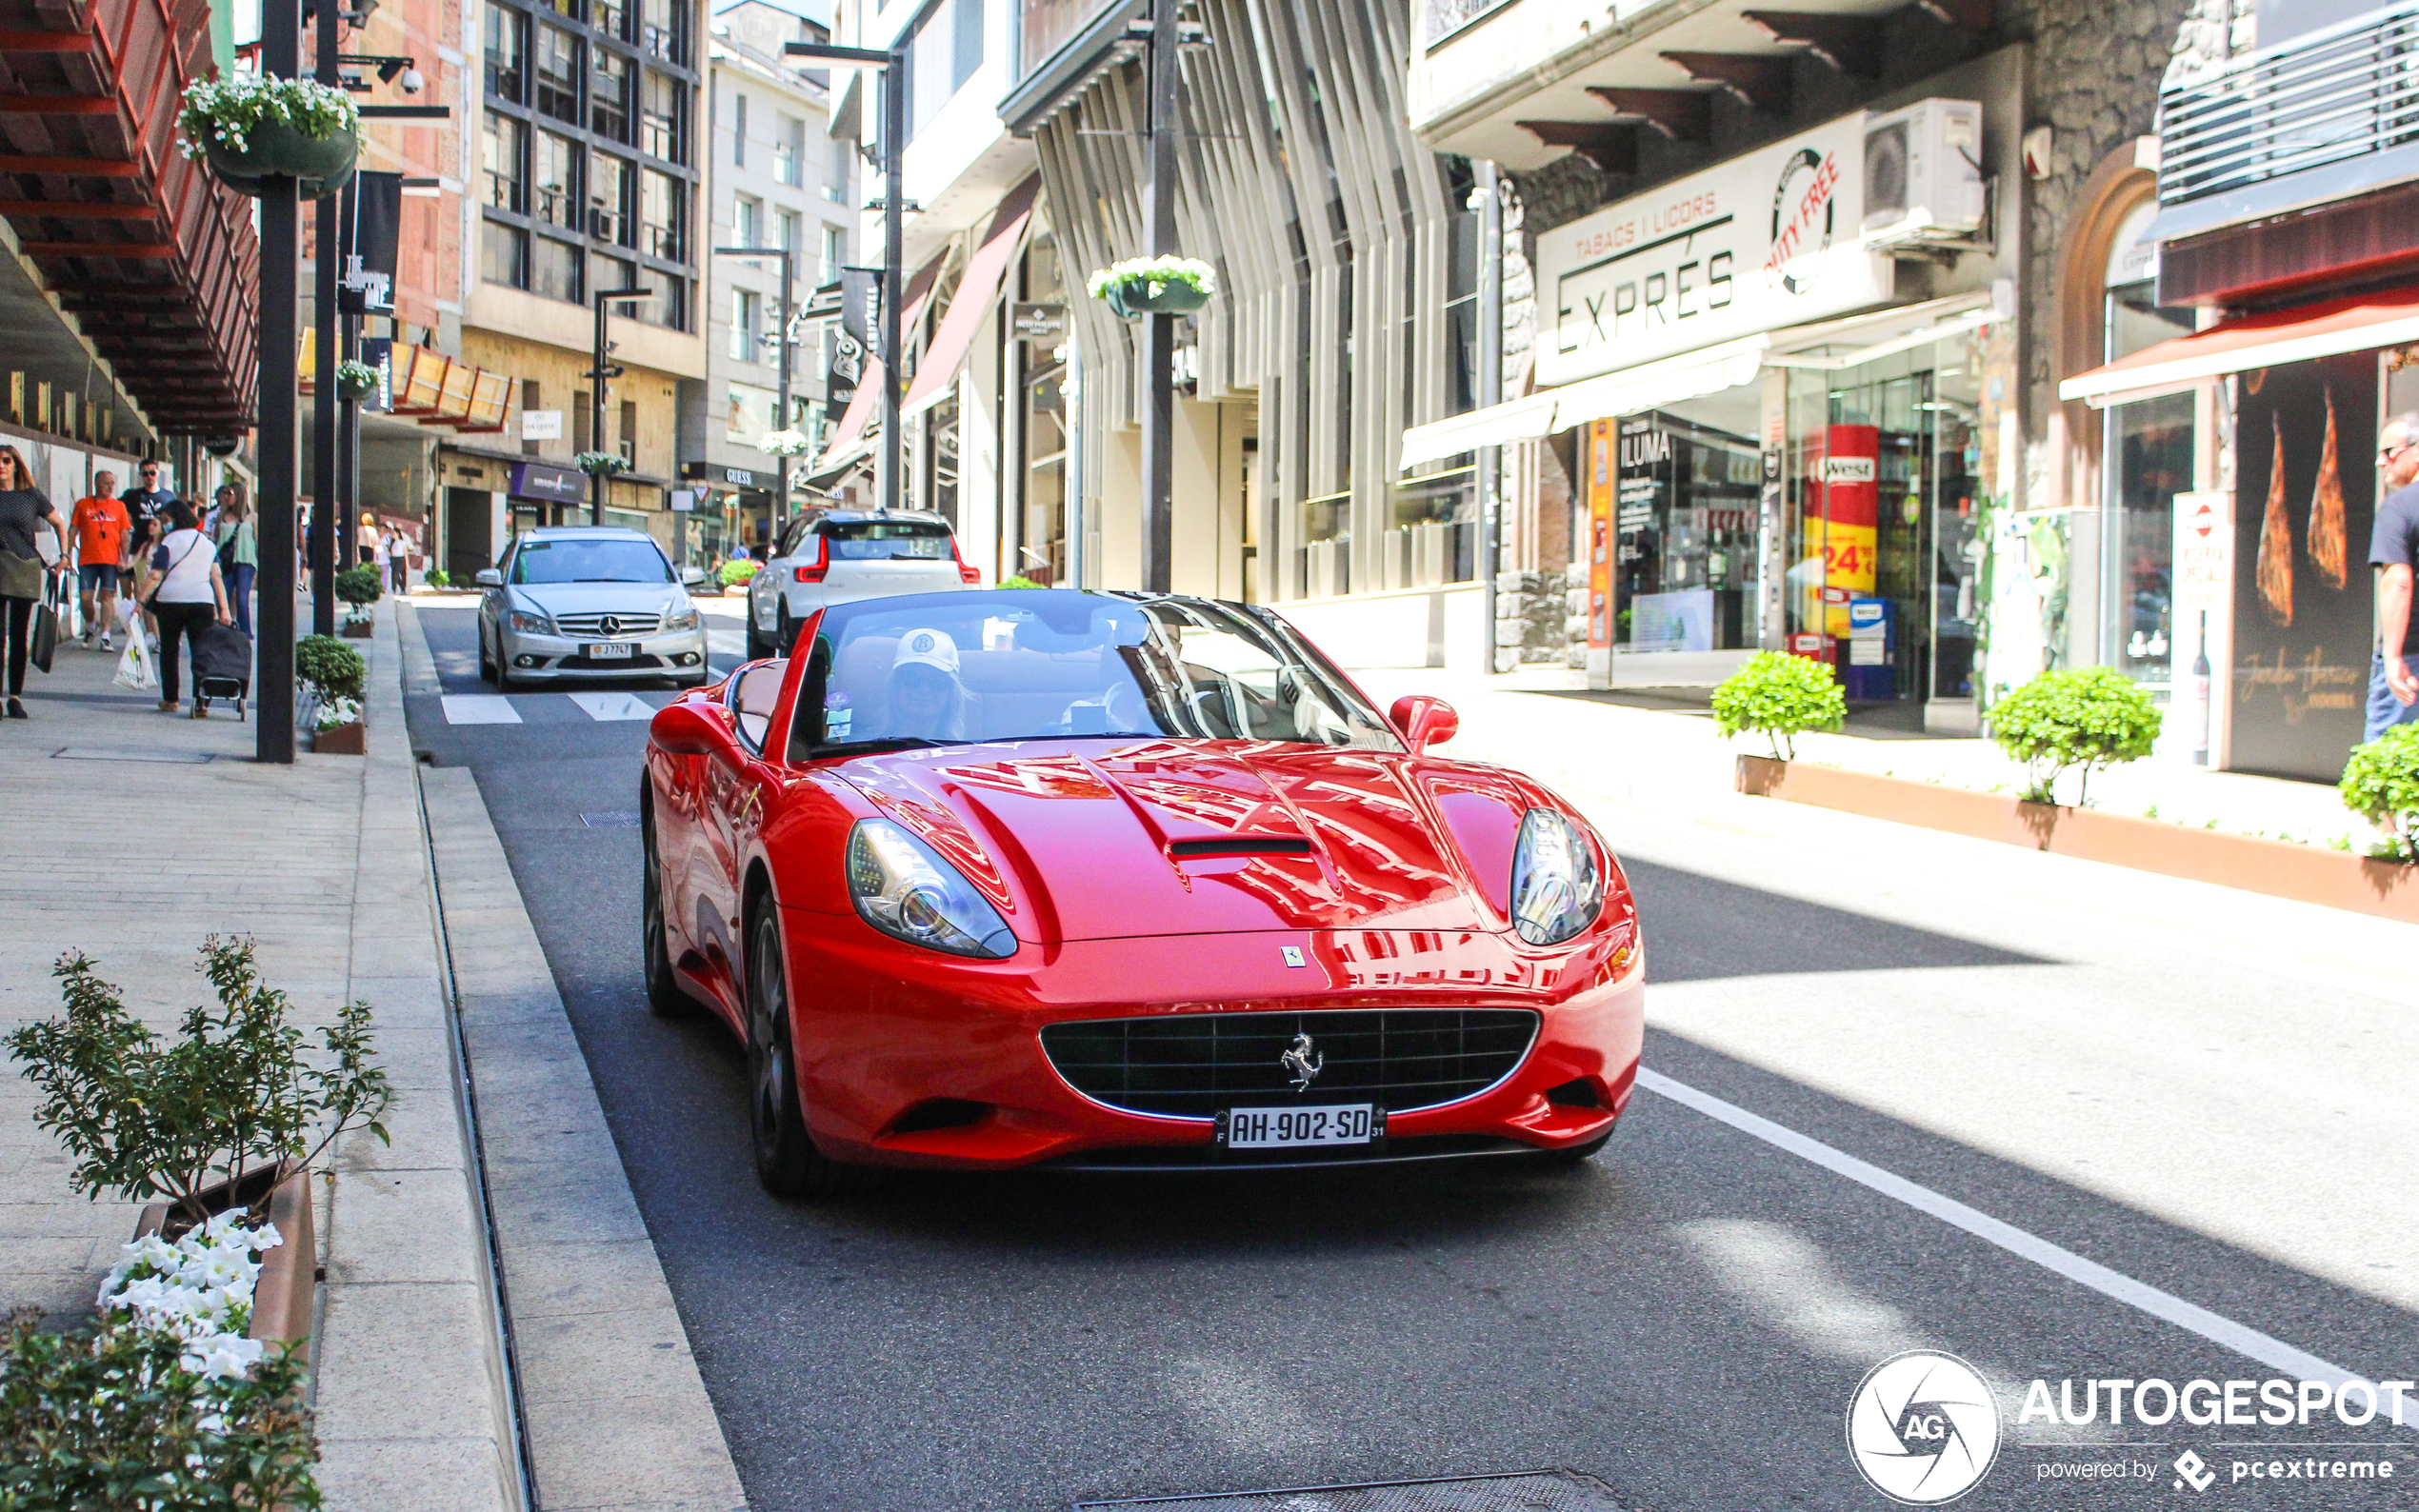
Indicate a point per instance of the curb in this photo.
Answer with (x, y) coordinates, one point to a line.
(616, 1414)
(2278, 868)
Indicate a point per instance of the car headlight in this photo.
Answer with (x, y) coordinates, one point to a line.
(528, 623)
(682, 619)
(1556, 889)
(907, 891)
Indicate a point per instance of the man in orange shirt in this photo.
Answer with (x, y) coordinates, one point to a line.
(100, 525)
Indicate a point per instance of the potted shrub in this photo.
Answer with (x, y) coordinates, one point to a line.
(1780, 696)
(737, 575)
(359, 588)
(355, 381)
(330, 675)
(252, 128)
(2084, 717)
(1154, 286)
(2381, 783)
(784, 444)
(600, 463)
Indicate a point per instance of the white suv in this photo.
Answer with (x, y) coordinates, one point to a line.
(845, 554)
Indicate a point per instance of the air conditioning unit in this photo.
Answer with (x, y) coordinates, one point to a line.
(1923, 175)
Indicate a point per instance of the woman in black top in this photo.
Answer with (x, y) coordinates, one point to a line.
(21, 509)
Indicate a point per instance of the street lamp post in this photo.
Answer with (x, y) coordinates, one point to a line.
(600, 384)
(891, 64)
(789, 291)
(1159, 328)
(273, 728)
(328, 529)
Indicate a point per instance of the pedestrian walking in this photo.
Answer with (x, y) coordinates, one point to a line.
(146, 521)
(188, 596)
(22, 510)
(398, 561)
(239, 554)
(100, 529)
(367, 538)
(2393, 552)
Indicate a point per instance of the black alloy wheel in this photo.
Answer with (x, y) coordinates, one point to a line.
(664, 998)
(786, 637)
(788, 1164)
(758, 643)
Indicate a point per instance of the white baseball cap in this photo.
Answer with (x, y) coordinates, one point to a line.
(931, 647)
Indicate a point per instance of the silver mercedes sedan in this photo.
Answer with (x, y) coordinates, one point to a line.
(582, 603)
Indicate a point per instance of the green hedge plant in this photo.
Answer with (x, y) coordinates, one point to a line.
(236, 1093)
(2381, 783)
(331, 666)
(739, 571)
(358, 584)
(2082, 717)
(1780, 697)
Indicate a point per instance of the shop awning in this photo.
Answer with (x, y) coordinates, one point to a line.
(1652, 384)
(860, 412)
(943, 356)
(1521, 420)
(2358, 323)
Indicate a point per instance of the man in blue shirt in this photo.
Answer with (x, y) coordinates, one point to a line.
(2393, 551)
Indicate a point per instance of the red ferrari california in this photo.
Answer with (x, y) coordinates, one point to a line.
(1122, 881)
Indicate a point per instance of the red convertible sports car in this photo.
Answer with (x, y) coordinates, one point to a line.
(1103, 880)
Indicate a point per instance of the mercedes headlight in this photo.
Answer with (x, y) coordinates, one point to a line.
(1556, 890)
(907, 891)
(521, 622)
(682, 619)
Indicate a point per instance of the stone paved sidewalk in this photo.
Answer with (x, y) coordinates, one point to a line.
(133, 836)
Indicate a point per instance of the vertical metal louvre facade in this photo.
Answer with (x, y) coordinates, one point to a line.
(1328, 224)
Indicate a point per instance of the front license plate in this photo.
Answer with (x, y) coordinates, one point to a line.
(609, 650)
(1266, 1128)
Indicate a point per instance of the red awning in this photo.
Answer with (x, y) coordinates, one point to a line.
(975, 288)
(860, 411)
(2359, 323)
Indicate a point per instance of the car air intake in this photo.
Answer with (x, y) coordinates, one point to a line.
(1196, 1064)
(1240, 846)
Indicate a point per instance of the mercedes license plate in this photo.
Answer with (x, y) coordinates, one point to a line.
(609, 650)
(1268, 1128)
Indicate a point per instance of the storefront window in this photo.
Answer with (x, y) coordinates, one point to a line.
(1041, 548)
(1435, 535)
(940, 453)
(1684, 530)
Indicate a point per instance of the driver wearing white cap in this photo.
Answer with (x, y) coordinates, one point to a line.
(926, 700)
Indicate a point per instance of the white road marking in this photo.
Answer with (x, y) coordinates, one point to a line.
(2243, 1341)
(614, 705)
(480, 708)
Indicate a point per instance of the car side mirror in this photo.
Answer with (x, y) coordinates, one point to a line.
(1424, 721)
(488, 578)
(688, 729)
(691, 576)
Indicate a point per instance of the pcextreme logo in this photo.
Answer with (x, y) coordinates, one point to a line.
(1923, 1427)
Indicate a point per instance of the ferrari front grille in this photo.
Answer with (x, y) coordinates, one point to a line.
(1198, 1064)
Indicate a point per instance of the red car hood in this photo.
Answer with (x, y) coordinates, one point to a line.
(1082, 841)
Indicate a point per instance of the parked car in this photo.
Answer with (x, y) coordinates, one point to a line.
(997, 879)
(580, 603)
(842, 555)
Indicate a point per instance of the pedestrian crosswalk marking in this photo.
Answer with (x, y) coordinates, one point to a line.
(480, 708)
(614, 705)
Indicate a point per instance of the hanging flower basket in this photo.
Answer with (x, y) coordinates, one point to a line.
(252, 129)
(600, 463)
(356, 381)
(784, 444)
(1156, 285)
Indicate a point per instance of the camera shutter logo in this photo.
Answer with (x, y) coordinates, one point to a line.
(1923, 1427)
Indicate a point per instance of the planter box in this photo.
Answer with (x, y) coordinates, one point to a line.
(289, 1274)
(2333, 879)
(358, 629)
(345, 739)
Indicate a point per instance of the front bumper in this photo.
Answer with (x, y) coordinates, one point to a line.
(544, 658)
(896, 1040)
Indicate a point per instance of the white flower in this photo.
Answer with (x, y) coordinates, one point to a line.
(219, 1356)
(1155, 273)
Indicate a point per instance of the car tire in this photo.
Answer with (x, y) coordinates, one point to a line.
(664, 998)
(758, 646)
(785, 638)
(788, 1163)
(486, 663)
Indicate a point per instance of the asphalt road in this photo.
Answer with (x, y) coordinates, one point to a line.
(1687, 1316)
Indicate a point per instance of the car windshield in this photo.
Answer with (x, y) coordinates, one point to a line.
(593, 559)
(887, 540)
(1034, 664)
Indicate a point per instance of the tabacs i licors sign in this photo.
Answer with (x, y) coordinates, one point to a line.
(1766, 240)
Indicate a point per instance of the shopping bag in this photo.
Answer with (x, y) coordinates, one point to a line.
(134, 665)
(45, 626)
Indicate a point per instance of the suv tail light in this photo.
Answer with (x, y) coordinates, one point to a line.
(964, 573)
(814, 572)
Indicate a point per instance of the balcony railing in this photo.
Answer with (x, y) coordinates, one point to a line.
(2346, 91)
